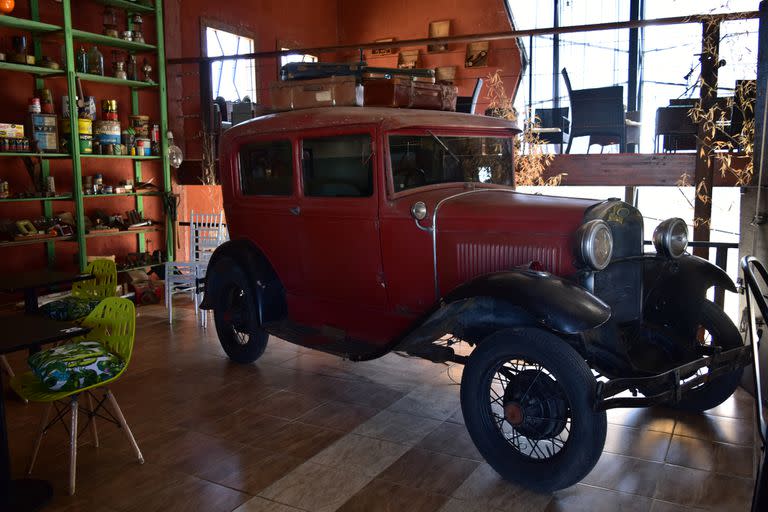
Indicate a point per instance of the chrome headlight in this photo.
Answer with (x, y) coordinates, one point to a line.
(594, 243)
(670, 238)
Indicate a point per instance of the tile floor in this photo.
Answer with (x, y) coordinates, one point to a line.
(300, 430)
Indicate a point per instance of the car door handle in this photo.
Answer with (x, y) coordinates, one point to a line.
(296, 210)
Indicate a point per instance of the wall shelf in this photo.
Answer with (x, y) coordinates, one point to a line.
(125, 194)
(133, 84)
(124, 157)
(128, 6)
(25, 199)
(35, 27)
(16, 243)
(96, 234)
(112, 42)
(35, 155)
(32, 70)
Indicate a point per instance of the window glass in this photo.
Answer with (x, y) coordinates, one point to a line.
(231, 79)
(420, 160)
(266, 168)
(338, 166)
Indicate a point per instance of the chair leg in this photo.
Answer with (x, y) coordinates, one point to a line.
(124, 426)
(6, 367)
(568, 149)
(39, 441)
(92, 419)
(73, 445)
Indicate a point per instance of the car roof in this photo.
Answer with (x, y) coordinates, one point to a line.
(387, 118)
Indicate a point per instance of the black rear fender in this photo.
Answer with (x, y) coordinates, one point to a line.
(503, 300)
(262, 278)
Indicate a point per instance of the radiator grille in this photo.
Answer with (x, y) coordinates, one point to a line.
(477, 259)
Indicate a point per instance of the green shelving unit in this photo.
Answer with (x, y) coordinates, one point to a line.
(70, 35)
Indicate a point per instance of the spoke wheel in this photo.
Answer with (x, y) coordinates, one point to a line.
(234, 312)
(527, 399)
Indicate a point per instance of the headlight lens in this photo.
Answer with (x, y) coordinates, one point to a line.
(670, 238)
(595, 244)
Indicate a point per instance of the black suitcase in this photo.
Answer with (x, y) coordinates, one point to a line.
(313, 70)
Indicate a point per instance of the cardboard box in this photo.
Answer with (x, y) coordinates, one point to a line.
(11, 131)
(336, 91)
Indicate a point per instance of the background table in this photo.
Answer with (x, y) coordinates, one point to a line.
(31, 282)
(25, 332)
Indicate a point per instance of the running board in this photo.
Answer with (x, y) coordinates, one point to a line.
(328, 340)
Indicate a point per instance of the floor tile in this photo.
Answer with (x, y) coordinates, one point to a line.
(485, 486)
(429, 471)
(339, 415)
(259, 504)
(625, 474)
(299, 440)
(397, 427)
(649, 445)
(715, 428)
(697, 488)
(316, 488)
(451, 439)
(250, 470)
(381, 496)
(659, 419)
(285, 404)
(584, 498)
(434, 402)
(368, 455)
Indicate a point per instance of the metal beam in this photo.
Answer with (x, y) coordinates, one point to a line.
(493, 36)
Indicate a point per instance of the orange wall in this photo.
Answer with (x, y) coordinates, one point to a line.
(371, 20)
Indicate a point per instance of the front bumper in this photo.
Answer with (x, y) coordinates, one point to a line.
(672, 380)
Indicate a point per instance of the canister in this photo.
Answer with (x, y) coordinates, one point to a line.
(109, 110)
(107, 132)
(86, 144)
(140, 125)
(143, 147)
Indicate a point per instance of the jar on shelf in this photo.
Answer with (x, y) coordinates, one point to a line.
(136, 27)
(82, 61)
(132, 68)
(95, 62)
(110, 22)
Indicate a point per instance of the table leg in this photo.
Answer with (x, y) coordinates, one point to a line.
(23, 495)
(30, 300)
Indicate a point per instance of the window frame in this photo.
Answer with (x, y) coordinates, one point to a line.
(237, 181)
(206, 23)
(319, 133)
(393, 194)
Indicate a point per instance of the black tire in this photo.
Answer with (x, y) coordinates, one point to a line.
(235, 303)
(508, 429)
(726, 335)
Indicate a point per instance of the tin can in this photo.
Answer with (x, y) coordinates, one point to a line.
(51, 182)
(86, 144)
(34, 105)
(109, 110)
(140, 125)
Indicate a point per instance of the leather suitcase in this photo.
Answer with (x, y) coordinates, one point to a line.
(336, 91)
(405, 93)
(315, 70)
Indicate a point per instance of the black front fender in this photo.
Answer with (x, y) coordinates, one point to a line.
(502, 300)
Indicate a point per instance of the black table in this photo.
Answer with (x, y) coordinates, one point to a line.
(20, 332)
(31, 282)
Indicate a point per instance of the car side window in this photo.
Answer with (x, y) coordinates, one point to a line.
(340, 166)
(266, 168)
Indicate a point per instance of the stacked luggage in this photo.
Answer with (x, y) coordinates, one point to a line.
(321, 84)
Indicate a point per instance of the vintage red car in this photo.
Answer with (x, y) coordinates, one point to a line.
(360, 231)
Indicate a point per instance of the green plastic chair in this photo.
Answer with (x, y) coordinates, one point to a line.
(85, 294)
(113, 324)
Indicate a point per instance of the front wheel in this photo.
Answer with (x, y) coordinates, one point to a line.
(528, 403)
(235, 308)
(715, 329)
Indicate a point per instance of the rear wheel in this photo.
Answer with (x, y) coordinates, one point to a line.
(527, 399)
(715, 330)
(234, 311)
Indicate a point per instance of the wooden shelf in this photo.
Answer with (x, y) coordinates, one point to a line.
(129, 6)
(126, 194)
(126, 157)
(34, 241)
(96, 234)
(24, 199)
(32, 70)
(112, 42)
(35, 155)
(133, 84)
(36, 27)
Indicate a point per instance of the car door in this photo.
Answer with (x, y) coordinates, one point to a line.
(341, 251)
(265, 199)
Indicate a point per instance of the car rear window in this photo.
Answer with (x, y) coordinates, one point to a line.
(266, 168)
(340, 166)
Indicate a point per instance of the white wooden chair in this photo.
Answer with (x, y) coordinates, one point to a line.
(206, 233)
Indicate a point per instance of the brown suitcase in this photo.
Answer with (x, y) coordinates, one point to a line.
(335, 91)
(404, 93)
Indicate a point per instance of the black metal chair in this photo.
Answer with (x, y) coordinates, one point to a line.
(551, 126)
(597, 113)
(676, 126)
(467, 104)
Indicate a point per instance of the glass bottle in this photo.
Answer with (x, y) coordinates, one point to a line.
(95, 62)
(175, 156)
(82, 61)
(132, 68)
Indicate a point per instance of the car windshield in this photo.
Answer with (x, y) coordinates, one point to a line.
(420, 160)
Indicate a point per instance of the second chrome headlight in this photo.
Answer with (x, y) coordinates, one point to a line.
(594, 243)
(670, 238)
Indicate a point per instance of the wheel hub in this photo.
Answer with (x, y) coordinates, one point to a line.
(534, 405)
